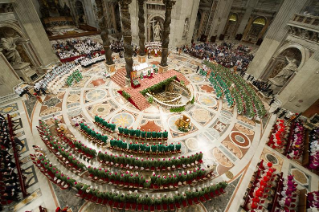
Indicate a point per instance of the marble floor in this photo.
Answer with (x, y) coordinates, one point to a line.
(228, 140)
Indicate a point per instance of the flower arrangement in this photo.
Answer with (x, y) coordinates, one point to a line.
(126, 95)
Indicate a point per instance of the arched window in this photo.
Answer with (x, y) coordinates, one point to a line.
(233, 17)
(260, 21)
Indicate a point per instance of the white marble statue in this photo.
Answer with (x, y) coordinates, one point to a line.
(157, 32)
(282, 77)
(8, 46)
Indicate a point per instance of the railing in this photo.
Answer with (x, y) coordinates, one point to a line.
(16, 158)
(306, 19)
(185, 89)
(305, 27)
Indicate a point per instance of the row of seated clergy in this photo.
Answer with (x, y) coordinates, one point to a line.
(146, 147)
(143, 134)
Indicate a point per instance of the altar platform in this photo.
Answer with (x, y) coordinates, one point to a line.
(137, 99)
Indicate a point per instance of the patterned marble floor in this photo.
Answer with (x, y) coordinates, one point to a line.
(228, 140)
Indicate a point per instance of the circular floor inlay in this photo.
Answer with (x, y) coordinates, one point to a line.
(207, 100)
(240, 139)
(123, 119)
(272, 159)
(192, 144)
(201, 115)
(100, 110)
(197, 78)
(95, 95)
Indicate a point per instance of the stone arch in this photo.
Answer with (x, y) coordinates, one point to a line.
(150, 20)
(15, 27)
(26, 49)
(305, 53)
(278, 61)
(152, 16)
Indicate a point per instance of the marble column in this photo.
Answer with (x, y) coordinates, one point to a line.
(165, 39)
(127, 36)
(104, 32)
(275, 36)
(141, 27)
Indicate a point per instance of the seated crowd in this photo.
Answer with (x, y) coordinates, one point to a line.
(224, 54)
(89, 60)
(9, 183)
(76, 47)
(314, 149)
(117, 46)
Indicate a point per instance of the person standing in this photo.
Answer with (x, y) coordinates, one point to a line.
(272, 101)
(197, 69)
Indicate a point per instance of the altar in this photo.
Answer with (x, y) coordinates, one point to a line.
(143, 70)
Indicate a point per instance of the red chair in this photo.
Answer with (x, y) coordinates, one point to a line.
(115, 205)
(207, 196)
(196, 200)
(133, 206)
(165, 206)
(121, 205)
(128, 206)
(178, 205)
(171, 206)
(190, 202)
(94, 199)
(202, 199)
(139, 207)
(105, 202)
(111, 202)
(184, 203)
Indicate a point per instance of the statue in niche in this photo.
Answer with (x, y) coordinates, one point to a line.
(8, 45)
(186, 29)
(282, 77)
(157, 32)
